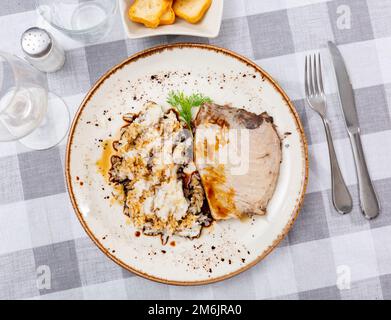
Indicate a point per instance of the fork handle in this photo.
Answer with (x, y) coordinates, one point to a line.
(368, 200)
(342, 200)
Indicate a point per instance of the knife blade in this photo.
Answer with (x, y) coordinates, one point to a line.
(345, 87)
(368, 200)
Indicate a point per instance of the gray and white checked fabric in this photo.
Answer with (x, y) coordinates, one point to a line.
(39, 230)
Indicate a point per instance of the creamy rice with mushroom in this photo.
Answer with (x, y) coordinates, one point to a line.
(154, 164)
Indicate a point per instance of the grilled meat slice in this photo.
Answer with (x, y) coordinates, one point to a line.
(238, 156)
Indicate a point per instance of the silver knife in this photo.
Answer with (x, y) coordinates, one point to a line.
(368, 201)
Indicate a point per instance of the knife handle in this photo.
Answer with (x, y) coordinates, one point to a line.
(342, 200)
(368, 200)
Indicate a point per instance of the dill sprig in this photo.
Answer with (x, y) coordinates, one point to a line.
(184, 104)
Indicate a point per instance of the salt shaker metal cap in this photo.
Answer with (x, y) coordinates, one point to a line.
(41, 50)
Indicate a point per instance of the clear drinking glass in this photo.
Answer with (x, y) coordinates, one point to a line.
(28, 112)
(83, 20)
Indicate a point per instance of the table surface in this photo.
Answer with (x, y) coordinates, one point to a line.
(45, 254)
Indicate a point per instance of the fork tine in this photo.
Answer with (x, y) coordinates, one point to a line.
(306, 77)
(315, 76)
(310, 76)
(320, 74)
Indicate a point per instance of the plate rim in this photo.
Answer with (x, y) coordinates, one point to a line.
(152, 51)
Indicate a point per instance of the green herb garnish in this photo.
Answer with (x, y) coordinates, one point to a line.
(184, 104)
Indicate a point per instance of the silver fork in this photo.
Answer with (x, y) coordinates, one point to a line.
(316, 99)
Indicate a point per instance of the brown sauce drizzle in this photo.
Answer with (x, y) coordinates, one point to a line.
(221, 199)
(104, 162)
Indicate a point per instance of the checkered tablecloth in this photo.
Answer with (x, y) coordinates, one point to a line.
(325, 256)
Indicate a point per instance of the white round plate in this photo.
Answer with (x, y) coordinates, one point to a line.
(228, 247)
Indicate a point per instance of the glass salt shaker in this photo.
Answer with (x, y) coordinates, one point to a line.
(42, 50)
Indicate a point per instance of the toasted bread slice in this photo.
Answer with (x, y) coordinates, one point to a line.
(191, 10)
(148, 12)
(168, 16)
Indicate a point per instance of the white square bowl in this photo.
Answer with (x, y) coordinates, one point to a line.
(208, 27)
